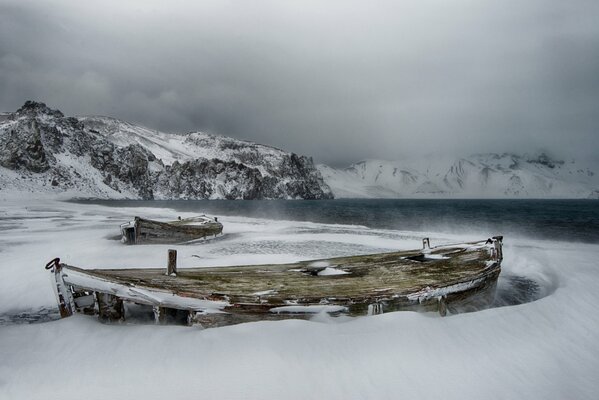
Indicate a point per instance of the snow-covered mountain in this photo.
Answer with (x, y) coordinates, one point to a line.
(480, 176)
(43, 151)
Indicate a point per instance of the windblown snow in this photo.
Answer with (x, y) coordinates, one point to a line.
(544, 349)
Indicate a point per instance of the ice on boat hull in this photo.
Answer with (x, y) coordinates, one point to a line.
(142, 230)
(445, 278)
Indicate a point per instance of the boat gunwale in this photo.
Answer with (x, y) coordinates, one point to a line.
(489, 269)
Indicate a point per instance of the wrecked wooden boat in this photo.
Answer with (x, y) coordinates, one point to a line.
(443, 278)
(142, 230)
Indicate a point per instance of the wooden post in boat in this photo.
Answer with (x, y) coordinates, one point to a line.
(171, 267)
(426, 244)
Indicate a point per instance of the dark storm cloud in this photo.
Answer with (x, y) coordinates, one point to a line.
(339, 80)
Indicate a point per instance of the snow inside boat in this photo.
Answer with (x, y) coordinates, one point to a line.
(142, 230)
(443, 278)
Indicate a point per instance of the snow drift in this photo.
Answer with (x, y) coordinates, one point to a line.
(545, 349)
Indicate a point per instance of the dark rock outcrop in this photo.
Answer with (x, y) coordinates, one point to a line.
(106, 158)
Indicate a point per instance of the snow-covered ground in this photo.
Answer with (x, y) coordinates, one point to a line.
(545, 349)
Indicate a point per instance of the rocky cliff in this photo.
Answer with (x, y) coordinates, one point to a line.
(43, 151)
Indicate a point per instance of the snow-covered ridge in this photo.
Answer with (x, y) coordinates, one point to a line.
(171, 147)
(479, 175)
(42, 151)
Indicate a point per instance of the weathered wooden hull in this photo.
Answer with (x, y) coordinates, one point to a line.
(142, 230)
(446, 278)
(476, 298)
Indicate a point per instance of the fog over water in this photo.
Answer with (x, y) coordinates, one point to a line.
(341, 80)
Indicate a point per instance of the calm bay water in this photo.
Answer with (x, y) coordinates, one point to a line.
(567, 220)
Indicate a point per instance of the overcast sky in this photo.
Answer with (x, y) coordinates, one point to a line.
(338, 80)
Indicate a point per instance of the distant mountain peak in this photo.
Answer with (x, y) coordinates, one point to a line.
(38, 108)
(482, 175)
(545, 160)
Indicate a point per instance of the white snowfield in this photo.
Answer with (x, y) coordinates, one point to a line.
(546, 349)
(477, 176)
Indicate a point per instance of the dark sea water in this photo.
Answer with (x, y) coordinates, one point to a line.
(564, 220)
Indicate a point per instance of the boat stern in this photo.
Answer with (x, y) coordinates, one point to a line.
(129, 232)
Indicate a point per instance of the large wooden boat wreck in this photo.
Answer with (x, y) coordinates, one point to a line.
(142, 230)
(441, 278)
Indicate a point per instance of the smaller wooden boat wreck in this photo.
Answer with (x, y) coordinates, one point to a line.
(438, 279)
(142, 230)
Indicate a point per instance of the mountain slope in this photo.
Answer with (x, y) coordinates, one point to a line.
(481, 175)
(43, 151)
